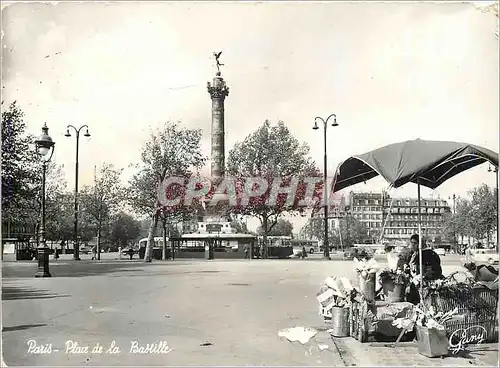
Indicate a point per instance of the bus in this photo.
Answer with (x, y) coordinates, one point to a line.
(158, 242)
(312, 246)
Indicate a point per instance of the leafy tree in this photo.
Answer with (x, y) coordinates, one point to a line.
(314, 229)
(483, 212)
(20, 164)
(462, 219)
(172, 151)
(60, 217)
(271, 152)
(448, 230)
(102, 201)
(124, 229)
(282, 228)
(352, 232)
(475, 217)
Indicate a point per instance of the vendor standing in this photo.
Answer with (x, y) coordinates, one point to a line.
(431, 265)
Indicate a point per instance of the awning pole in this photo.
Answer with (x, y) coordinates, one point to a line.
(389, 214)
(420, 241)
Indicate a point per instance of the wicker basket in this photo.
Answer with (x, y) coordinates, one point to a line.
(477, 306)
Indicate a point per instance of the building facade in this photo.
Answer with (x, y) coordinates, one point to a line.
(397, 218)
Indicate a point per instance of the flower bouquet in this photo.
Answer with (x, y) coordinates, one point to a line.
(431, 333)
(334, 299)
(366, 270)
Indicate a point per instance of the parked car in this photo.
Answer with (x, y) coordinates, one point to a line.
(126, 251)
(489, 256)
(85, 250)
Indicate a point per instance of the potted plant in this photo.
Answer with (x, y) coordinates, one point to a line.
(394, 284)
(431, 334)
(366, 268)
(334, 298)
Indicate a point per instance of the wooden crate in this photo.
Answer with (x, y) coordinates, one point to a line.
(359, 320)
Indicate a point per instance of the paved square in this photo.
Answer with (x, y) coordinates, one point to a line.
(237, 307)
(221, 312)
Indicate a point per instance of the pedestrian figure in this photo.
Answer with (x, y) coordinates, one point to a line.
(56, 253)
(210, 250)
(120, 252)
(131, 253)
(94, 252)
(303, 253)
(245, 249)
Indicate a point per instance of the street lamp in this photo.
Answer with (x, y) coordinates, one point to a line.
(325, 125)
(495, 170)
(45, 150)
(76, 254)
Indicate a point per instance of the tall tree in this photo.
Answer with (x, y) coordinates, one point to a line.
(268, 153)
(102, 201)
(282, 228)
(124, 229)
(349, 231)
(483, 212)
(60, 216)
(20, 164)
(462, 219)
(172, 151)
(314, 230)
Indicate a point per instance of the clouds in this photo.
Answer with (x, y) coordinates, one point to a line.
(391, 72)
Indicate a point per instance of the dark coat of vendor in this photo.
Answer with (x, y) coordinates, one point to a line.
(431, 264)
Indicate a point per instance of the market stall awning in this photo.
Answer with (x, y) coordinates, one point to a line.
(431, 162)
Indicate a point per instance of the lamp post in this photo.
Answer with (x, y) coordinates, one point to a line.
(76, 254)
(495, 170)
(325, 185)
(45, 149)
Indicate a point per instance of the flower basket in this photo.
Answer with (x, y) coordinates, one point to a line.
(476, 305)
(394, 283)
(393, 292)
(431, 342)
(340, 322)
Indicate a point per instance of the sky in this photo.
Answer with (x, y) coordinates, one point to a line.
(390, 72)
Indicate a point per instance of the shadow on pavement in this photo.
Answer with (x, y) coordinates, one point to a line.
(22, 327)
(16, 293)
(73, 268)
